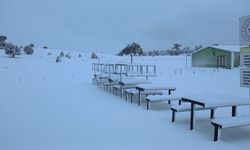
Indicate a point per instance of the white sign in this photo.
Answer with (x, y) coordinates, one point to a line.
(244, 31)
(245, 77)
(245, 60)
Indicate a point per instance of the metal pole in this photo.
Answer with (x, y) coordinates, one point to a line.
(120, 72)
(186, 60)
(249, 99)
(131, 58)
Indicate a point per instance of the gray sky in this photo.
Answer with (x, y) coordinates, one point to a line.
(109, 25)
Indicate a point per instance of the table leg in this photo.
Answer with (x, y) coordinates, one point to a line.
(192, 116)
(169, 92)
(234, 111)
(148, 104)
(212, 114)
(139, 99)
(121, 91)
(109, 87)
(179, 102)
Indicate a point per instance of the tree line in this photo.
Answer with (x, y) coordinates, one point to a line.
(136, 50)
(12, 50)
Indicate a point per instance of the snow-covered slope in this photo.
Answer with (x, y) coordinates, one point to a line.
(46, 105)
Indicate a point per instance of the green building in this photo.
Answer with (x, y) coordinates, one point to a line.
(217, 56)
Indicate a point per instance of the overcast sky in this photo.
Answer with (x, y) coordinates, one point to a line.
(109, 25)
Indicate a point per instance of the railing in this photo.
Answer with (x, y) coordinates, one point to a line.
(122, 69)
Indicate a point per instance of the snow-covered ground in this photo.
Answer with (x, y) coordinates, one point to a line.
(48, 106)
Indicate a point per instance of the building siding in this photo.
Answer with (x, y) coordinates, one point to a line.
(207, 57)
(236, 59)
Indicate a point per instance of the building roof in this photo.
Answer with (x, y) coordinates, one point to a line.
(232, 48)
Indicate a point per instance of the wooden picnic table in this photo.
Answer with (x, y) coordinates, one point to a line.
(213, 101)
(148, 87)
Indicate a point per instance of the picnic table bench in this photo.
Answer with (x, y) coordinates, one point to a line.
(232, 122)
(211, 101)
(114, 82)
(152, 87)
(134, 91)
(160, 98)
(131, 83)
(186, 108)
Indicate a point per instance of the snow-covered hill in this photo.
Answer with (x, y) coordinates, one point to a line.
(46, 105)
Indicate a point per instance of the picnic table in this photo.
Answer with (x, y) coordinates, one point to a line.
(148, 87)
(211, 101)
(131, 83)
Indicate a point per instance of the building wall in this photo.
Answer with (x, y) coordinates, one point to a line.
(207, 57)
(244, 50)
(236, 59)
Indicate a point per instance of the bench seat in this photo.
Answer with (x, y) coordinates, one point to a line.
(186, 107)
(232, 122)
(133, 91)
(117, 88)
(160, 98)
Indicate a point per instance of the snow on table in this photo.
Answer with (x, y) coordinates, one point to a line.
(217, 100)
(154, 87)
(213, 101)
(232, 122)
(134, 81)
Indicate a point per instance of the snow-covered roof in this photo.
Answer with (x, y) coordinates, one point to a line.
(232, 48)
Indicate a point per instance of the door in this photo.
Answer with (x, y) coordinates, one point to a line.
(221, 61)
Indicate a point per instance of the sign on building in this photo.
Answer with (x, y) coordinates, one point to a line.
(245, 60)
(245, 67)
(244, 31)
(245, 77)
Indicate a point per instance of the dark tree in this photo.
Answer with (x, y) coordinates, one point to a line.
(176, 46)
(3, 38)
(2, 41)
(134, 49)
(197, 47)
(12, 50)
(94, 56)
(58, 59)
(29, 49)
(62, 54)
(68, 55)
